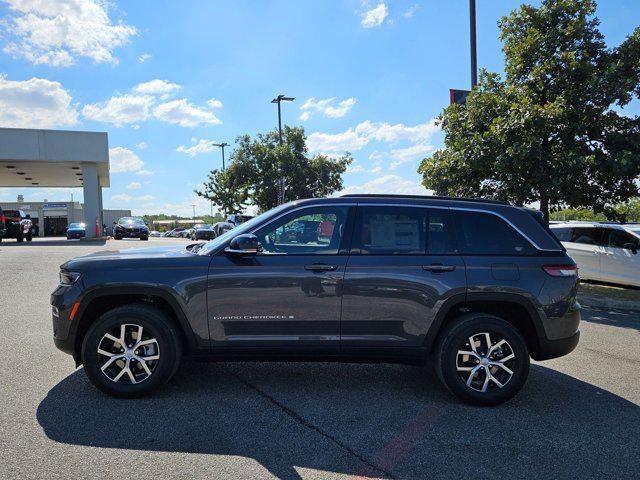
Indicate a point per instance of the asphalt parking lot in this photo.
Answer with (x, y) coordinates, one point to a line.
(577, 416)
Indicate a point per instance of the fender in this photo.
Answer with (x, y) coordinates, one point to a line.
(459, 300)
(145, 290)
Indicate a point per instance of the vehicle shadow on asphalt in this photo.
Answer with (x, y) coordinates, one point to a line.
(612, 317)
(383, 421)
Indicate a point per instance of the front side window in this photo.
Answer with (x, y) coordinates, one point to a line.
(562, 233)
(404, 231)
(615, 238)
(482, 233)
(311, 231)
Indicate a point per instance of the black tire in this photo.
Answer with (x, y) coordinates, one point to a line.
(144, 238)
(117, 238)
(19, 238)
(456, 337)
(155, 324)
(29, 237)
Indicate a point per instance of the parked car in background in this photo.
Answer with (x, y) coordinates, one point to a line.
(604, 252)
(155, 233)
(3, 225)
(130, 227)
(479, 287)
(76, 230)
(230, 223)
(202, 231)
(186, 233)
(175, 233)
(17, 224)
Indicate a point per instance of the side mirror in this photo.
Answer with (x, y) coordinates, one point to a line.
(245, 244)
(631, 246)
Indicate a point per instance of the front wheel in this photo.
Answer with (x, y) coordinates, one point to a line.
(19, 238)
(131, 351)
(29, 237)
(482, 359)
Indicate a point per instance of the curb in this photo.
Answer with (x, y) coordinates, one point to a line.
(597, 301)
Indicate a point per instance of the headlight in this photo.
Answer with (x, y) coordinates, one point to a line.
(69, 278)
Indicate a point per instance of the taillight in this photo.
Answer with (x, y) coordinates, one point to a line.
(4, 219)
(561, 270)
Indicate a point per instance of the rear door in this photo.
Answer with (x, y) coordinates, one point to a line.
(584, 247)
(402, 267)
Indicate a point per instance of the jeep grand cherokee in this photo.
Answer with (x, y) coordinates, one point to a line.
(477, 286)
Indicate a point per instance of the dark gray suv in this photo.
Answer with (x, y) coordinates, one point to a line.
(476, 286)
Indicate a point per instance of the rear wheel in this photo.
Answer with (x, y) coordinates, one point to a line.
(29, 237)
(482, 359)
(144, 238)
(19, 238)
(117, 237)
(131, 351)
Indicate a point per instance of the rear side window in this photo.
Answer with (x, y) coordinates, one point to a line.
(586, 235)
(486, 234)
(562, 233)
(614, 238)
(404, 231)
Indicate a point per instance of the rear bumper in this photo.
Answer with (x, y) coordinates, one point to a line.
(564, 335)
(556, 348)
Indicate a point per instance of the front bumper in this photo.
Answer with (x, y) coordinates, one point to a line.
(131, 233)
(63, 299)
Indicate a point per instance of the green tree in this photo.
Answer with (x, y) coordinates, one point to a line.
(222, 189)
(256, 164)
(548, 131)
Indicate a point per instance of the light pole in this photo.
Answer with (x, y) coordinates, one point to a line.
(472, 35)
(278, 100)
(194, 212)
(221, 145)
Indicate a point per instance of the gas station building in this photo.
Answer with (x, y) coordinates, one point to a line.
(57, 158)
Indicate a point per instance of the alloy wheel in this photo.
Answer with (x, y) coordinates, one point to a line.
(128, 354)
(485, 363)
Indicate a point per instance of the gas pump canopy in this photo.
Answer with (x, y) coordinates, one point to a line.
(57, 158)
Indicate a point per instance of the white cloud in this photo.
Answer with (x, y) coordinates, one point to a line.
(142, 145)
(411, 11)
(185, 114)
(326, 107)
(124, 160)
(215, 103)
(202, 146)
(35, 103)
(365, 132)
(410, 154)
(157, 87)
(56, 32)
(121, 198)
(144, 57)
(121, 110)
(139, 201)
(375, 16)
(387, 184)
(355, 167)
(134, 186)
(145, 172)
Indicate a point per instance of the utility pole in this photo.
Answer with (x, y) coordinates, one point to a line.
(278, 100)
(221, 145)
(474, 53)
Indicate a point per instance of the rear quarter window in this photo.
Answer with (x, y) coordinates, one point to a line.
(482, 233)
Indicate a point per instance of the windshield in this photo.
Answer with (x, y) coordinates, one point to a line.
(635, 230)
(245, 227)
(201, 226)
(76, 225)
(130, 221)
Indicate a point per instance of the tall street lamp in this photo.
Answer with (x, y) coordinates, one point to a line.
(472, 36)
(221, 145)
(278, 100)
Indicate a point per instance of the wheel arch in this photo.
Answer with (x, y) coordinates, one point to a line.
(517, 309)
(97, 302)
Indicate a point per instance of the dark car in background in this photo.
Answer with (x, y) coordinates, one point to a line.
(76, 230)
(230, 223)
(174, 233)
(202, 231)
(130, 227)
(17, 224)
(478, 287)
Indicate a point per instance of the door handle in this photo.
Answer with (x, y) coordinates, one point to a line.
(438, 268)
(320, 267)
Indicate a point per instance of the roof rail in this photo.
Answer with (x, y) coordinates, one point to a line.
(424, 197)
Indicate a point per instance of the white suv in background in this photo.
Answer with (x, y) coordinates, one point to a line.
(604, 252)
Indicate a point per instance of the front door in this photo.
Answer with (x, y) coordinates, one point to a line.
(620, 264)
(402, 268)
(289, 294)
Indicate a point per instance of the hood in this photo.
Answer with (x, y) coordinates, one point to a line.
(130, 257)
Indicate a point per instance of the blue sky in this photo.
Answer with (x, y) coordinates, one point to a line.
(166, 78)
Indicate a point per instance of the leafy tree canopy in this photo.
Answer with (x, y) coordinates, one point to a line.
(552, 130)
(257, 164)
